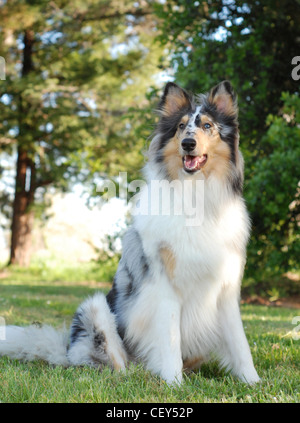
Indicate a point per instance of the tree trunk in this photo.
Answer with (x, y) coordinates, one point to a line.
(23, 215)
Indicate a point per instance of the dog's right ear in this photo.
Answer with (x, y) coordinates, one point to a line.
(173, 99)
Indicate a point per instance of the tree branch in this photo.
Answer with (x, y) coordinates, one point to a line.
(136, 13)
(43, 183)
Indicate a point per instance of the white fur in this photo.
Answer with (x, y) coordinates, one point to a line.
(196, 314)
(192, 127)
(34, 342)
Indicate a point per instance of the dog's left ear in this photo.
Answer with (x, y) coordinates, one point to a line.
(224, 98)
(173, 99)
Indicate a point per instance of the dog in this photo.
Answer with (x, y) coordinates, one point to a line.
(174, 302)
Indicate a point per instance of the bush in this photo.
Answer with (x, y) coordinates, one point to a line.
(272, 194)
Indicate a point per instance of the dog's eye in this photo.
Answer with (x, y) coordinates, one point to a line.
(207, 125)
(181, 125)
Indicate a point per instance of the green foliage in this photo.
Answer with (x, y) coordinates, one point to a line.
(272, 193)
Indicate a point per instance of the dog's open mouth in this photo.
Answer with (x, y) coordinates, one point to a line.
(193, 163)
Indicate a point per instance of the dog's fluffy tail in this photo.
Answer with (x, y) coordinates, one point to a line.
(36, 343)
(93, 339)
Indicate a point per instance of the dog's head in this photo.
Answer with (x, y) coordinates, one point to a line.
(197, 134)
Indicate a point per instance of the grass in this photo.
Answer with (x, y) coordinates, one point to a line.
(27, 297)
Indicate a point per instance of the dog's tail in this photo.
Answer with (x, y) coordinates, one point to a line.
(92, 340)
(36, 343)
(94, 337)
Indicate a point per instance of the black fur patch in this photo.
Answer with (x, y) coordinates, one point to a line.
(99, 340)
(77, 328)
(130, 289)
(145, 265)
(111, 298)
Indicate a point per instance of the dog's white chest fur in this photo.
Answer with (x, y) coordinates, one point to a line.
(201, 247)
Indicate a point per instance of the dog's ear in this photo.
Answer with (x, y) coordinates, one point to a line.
(173, 99)
(224, 98)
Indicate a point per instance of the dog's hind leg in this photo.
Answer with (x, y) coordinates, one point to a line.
(94, 339)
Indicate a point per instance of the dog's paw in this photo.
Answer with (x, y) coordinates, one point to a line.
(172, 378)
(249, 376)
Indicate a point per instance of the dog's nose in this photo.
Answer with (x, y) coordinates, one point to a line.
(188, 144)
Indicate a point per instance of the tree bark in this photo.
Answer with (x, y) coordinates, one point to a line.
(23, 215)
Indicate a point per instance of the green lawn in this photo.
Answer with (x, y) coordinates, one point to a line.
(28, 297)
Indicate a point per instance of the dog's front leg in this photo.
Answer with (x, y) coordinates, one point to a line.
(154, 329)
(234, 349)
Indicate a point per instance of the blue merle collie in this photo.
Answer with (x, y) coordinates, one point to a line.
(174, 303)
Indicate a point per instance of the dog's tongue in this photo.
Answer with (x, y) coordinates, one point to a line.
(194, 162)
(191, 161)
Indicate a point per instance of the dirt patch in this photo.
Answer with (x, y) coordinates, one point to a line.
(290, 302)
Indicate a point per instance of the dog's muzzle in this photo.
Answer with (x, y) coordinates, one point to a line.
(192, 162)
